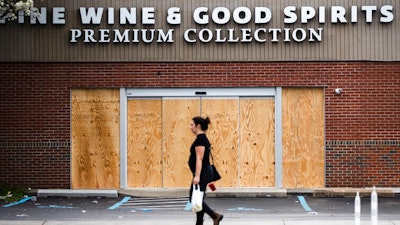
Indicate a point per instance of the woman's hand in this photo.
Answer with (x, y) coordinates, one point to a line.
(196, 180)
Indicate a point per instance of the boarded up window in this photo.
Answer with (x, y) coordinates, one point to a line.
(95, 138)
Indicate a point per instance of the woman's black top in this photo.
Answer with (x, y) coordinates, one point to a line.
(201, 140)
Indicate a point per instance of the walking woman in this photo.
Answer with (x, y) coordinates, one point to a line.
(199, 163)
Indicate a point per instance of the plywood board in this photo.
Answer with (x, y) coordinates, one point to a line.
(257, 142)
(224, 136)
(144, 143)
(303, 137)
(177, 139)
(95, 138)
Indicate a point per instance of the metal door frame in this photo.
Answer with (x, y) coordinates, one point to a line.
(126, 93)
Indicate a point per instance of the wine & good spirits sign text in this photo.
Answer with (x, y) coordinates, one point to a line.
(219, 24)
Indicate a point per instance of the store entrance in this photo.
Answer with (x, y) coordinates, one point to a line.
(241, 133)
(140, 138)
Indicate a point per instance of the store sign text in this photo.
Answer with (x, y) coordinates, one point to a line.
(220, 24)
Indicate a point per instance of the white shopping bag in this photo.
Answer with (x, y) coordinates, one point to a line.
(197, 198)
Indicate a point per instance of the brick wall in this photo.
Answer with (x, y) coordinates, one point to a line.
(362, 124)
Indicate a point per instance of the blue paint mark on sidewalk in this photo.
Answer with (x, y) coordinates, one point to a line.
(118, 204)
(17, 203)
(244, 209)
(55, 207)
(303, 203)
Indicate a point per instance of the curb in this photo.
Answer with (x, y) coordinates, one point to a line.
(220, 192)
(351, 192)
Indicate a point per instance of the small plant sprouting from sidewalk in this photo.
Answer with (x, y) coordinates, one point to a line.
(9, 194)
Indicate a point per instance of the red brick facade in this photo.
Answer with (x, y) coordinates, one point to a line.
(362, 124)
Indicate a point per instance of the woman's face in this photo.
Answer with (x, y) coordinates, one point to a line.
(193, 127)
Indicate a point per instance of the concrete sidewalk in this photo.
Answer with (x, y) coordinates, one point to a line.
(186, 222)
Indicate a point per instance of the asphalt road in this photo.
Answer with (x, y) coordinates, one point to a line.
(293, 208)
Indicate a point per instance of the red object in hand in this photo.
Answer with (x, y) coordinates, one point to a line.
(212, 186)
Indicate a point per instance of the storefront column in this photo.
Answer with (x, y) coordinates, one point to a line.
(123, 138)
(278, 137)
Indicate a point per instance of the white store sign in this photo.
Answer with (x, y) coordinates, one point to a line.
(219, 24)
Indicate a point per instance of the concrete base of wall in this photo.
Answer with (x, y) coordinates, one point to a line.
(77, 193)
(220, 192)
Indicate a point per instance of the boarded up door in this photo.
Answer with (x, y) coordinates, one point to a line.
(95, 139)
(303, 137)
(177, 138)
(224, 137)
(144, 163)
(242, 133)
(159, 138)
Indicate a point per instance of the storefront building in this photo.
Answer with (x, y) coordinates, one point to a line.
(100, 95)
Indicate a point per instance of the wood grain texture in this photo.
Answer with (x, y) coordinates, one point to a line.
(224, 136)
(95, 138)
(144, 143)
(241, 131)
(257, 142)
(177, 139)
(303, 137)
